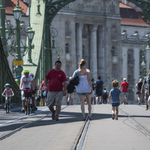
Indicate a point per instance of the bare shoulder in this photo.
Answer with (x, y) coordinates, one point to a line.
(88, 71)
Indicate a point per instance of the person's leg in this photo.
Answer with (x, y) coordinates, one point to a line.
(71, 101)
(43, 99)
(82, 104)
(113, 112)
(138, 98)
(146, 104)
(141, 98)
(23, 104)
(58, 108)
(117, 111)
(88, 97)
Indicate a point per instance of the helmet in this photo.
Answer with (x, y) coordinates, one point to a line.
(26, 71)
(7, 84)
(31, 74)
(18, 77)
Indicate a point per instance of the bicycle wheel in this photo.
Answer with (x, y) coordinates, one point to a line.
(28, 106)
(6, 107)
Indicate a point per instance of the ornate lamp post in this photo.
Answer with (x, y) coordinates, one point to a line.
(17, 15)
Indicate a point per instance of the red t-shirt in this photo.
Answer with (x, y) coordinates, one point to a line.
(56, 78)
(124, 86)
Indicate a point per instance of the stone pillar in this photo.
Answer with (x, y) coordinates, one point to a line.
(93, 51)
(79, 42)
(101, 55)
(124, 64)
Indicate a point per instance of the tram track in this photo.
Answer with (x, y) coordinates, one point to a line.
(24, 126)
(143, 129)
(82, 135)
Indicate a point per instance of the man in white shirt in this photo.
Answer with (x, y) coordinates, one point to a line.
(26, 82)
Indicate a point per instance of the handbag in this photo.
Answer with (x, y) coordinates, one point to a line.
(75, 80)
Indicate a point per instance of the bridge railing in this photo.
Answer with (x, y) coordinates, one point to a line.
(7, 77)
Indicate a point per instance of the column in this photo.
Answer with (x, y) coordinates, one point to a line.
(136, 67)
(124, 63)
(93, 51)
(79, 42)
(101, 52)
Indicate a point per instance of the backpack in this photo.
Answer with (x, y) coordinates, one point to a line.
(105, 95)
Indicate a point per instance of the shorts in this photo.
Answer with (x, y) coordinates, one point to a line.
(99, 93)
(92, 95)
(84, 93)
(71, 95)
(124, 94)
(54, 98)
(115, 104)
(43, 95)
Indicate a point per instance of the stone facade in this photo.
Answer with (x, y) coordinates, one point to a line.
(89, 29)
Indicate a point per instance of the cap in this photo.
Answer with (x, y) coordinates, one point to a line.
(31, 74)
(124, 79)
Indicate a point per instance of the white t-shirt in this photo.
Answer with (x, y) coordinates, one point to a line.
(26, 82)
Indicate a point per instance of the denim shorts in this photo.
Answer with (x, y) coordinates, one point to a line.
(124, 94)
(115, 104)
(84, 93)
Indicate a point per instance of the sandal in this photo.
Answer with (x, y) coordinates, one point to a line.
(90, 118)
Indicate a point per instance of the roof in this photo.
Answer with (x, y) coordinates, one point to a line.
(121, 5)
(11, 4)
(130, 16)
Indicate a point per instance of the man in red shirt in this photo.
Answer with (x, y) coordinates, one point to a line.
(124, 86)
(56, 89)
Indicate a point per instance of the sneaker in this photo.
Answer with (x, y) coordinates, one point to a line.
(113, 116)
(23, 109)
(146, 108)
(67, 103)
(56, 118)
(53, 115)
(117, 118)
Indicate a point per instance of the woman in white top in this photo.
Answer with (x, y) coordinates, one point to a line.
(84, 87)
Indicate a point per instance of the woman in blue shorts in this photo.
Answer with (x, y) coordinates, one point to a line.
(115, 93)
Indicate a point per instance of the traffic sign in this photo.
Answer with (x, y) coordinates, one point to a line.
(18, 62)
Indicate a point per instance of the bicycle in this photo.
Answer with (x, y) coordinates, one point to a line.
(7, 104)
(28, 95)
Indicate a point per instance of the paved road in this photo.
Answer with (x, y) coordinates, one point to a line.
(103, 132)
(107, 134)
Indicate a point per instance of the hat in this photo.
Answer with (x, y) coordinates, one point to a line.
(31, 74)
(124, 79)
(18, 77)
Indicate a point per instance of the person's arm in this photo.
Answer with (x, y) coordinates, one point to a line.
(121, 97)
(109, 98)
(73, 74)
(3, 93)
(21, 85)
(40, 87)
(142, 88)
(36, 84)
(46, 81)
(12, 92)
(120, 87)
(65, 88)
(89, 80)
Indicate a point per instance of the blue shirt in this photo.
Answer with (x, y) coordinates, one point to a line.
(99, 85)
(115, 95)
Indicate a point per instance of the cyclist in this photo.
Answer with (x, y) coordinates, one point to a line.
(8, 92)
(26, 82)
(35, 87)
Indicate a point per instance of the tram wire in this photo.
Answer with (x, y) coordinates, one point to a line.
(24, 126)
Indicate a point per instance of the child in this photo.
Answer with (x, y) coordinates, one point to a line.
(105, 96)
(115, 93)
(8, 92)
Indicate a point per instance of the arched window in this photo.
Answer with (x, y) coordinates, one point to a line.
(67, 48)
(67, 30)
